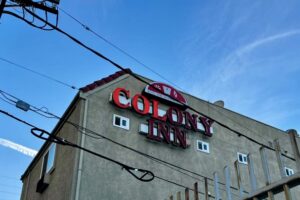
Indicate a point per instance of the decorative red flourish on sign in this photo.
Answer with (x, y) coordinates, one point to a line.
(165, 92)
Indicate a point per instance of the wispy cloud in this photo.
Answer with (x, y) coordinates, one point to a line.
(255, 44)
(237, 62)
(20, 148)
(244, 81)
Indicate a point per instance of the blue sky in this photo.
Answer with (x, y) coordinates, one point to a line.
(243, 52)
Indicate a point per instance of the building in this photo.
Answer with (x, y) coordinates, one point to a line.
(149, 127)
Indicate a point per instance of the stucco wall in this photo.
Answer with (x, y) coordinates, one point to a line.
(101, 179)
(104, 180)
(62, 177)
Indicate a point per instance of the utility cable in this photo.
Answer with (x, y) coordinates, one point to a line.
(84, 130)
(87, 28)
(42, 134)
(139, 78)
(145, 177)
(142, 80)
(236, 121)
(38, 73)
(166, 164)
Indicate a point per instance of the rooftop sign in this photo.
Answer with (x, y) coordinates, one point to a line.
(165, 125)
(165, 92)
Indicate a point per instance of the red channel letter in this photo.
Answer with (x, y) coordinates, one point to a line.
(116, 97)
(207, 124)
(155, 112)
(145, 101)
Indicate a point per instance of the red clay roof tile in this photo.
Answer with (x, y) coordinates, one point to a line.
(104, 80)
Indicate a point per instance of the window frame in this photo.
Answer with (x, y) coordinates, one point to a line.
(290, 170)
(207, 150)
(45, 161)
(127, 127)
(244, 158)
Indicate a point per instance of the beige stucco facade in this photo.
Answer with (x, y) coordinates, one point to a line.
(78, 175)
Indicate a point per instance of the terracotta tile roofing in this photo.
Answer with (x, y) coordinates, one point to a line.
(105, 80)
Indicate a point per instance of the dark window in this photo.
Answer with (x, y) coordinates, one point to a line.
(124, 122)
(118, 121)
(289, 171)
(200, 145)
(121, 122)
(242, 158)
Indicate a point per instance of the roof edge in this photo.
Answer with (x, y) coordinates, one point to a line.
(55, 130)
(105, 80)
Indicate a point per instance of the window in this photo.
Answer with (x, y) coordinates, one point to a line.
(48, 160)
(121, 122)
(288, 171)
(202, 146)
(242, 158)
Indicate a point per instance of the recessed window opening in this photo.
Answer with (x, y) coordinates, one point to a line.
(242, 158)
(202, 146)
(288, 171)
(48, 160)
(121, 122)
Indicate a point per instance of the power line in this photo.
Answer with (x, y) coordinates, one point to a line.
(62, 141)
(84, 130)
(38, 73)
(237, 122)
(138, 77)
(134, 75)
(118, 48)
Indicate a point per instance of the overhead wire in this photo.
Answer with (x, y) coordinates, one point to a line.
(3, 99)
(87, 28)
(58, 140)
(142, 80)
(236, 122)
(39, 74)
(97, 135)
(252, 131)
(46, 110)
(62, 141)
(145, 82)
